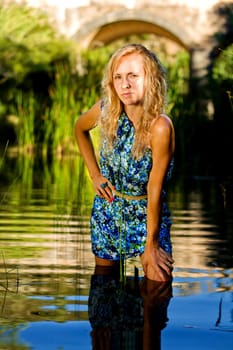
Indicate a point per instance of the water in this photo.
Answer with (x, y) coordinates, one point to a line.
(49, 297)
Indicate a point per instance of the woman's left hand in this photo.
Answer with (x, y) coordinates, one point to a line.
(157, 264)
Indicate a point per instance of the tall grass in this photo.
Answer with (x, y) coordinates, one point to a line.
(70, 96)
(26, 110)
(63, 112)
(7, 271)
(2, 158)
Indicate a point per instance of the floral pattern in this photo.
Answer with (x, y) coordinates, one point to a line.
(118, 229)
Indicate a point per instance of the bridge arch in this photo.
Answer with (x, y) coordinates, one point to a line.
(112, 26)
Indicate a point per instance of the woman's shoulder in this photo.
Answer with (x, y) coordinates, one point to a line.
(89, 119)
(162, 133)
(161, 124)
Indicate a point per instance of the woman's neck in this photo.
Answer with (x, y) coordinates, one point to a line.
(134, 113)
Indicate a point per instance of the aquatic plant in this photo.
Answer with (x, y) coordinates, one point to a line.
(2, 158)
(26, 110)
(6, 275)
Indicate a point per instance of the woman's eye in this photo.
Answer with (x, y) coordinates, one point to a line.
(132, 76)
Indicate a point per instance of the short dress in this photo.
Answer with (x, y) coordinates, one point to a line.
(119, 228)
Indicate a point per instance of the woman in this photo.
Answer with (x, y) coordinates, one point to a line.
(129, 215)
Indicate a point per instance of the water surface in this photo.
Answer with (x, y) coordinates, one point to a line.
(46, 265)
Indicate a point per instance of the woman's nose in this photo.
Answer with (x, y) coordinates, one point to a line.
(125, 82)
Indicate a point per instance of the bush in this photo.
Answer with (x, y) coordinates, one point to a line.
(29, 49)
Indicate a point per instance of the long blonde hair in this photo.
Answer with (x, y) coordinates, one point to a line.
(152, 104)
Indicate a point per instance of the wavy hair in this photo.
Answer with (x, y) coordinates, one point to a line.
(152, 105)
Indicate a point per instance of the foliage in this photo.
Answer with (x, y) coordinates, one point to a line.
(223, 73)
(222, 81)
(223, 67)
(28, 43)
(45, 81)
(29, 49)
(182, 107)
(70, 95)
(26, 110)
(178, 83)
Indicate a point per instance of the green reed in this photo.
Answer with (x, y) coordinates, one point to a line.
(6, 275)
(26, 112)
(70, 96)
(2, 158)
(61, 116)
(50, 128)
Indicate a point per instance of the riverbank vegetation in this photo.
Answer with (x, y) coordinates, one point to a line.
(46, 81)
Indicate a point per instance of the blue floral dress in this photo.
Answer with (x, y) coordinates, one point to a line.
(119, 228)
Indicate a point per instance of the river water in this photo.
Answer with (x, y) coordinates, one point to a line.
(50, 298)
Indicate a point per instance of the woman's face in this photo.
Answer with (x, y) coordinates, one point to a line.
(129, 79)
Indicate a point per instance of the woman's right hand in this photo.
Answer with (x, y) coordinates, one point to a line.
(103, 187)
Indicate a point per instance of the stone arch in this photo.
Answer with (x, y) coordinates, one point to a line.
(107, 28)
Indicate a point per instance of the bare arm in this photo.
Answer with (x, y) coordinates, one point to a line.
(86, 122)
(156, 262)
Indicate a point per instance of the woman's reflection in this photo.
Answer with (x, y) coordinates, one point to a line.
(129, 316)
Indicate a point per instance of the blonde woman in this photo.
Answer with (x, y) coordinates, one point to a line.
(130, 216)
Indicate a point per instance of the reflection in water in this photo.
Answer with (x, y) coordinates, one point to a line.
(128, 316)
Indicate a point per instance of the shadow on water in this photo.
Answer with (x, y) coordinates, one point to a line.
(50, 297)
